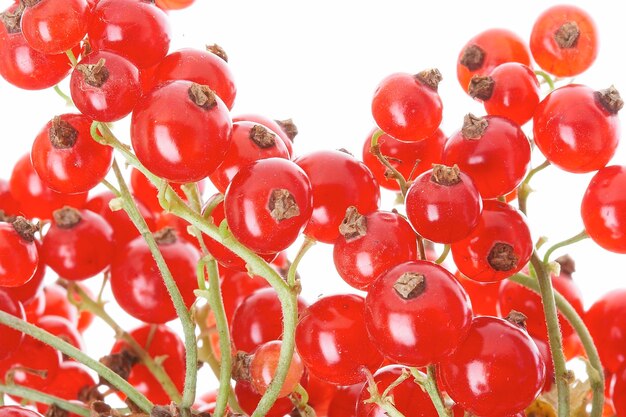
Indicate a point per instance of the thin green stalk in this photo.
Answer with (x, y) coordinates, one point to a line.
(189, 392)
(69, 350)
(383, 402)
(546, 77)
(88, 304)
(596, 375)
(40, 397)
(444, 254)
(580, 236)
(68, 99)
(291, 274)
(524, 190)
(375, 150)
(429, 384)
(71, 57)
(554, 334)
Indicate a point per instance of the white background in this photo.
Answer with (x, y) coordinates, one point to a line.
(319, 62)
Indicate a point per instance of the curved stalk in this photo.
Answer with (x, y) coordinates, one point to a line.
(375, 150)
(40, 397)
(291, 274)
(429, 384)
(580, 236)
(444, 254)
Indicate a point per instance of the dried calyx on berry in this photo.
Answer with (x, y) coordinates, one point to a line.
(95, 74)
(12, 20)
(502, 257)
(516, 318)
(62, 134)
(166, 236)
(474, 127)
(610, 99)
(202, 96)
(473, 57)
(430, 77)
(262, 137)
(24, 228)
(567, 35)
(568, 265)
(215, 49)
(66, 218)
(481, 87)
(445, 175)
(282, 205)
(353, 225)
(241, 366)
(410, 285)
(121, 363)
(289, 127)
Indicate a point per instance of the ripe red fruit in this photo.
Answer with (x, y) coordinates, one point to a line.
(408, 397)
(181, 131)
(487, 50)
(417, 313)
(19, 255)
(201, 67)
(79, 244)
(138, 285)
(105, 86)
(70, 383)
(285, 129)
(173, 4)
(564, 40)
(603, 208)
(511, 90)
(443, 204)
(236, 286)
(483, 295)
(619, 392)
(66, 157)
(263, 367)
(34, 365)
(493, 151)
(606, 320)
(408, 107)
(585, 135)
(546, 355)
(15, 411)
(27, 292)
(137, 30)
(35, 197)
(159, 342)
(56, 303)
(369, 245)
(478, 375)
(63, 328)
(497, 248)
(11, 339)
(332, 340)
(345, 400)
(267, 204)
(53, 27)
(338, 181)
(8, 204)
(248, 399)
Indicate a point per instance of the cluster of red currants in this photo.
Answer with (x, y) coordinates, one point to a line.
(420, 341)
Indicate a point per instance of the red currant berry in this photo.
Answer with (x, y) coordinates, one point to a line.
(564, 40)
(62, 328)
(546, 355)
(408, 107)
(250, 142)
(369, 245)
(34, 365)
(8, 204)
(71, 382)
(345, 400)
(35, 197)
(56, 303)
(15, 411)
(511, 90)
(11, 339)
(267, 204)
(173, 4)
(606, 320)
(105, 86)
(236, 286)
(137, 284)
(159, 342)
(585, 135)
(248, 399)
(320, 394)
(497, 248)
(493, 151)
(19, 255)
(483, 295)
(338, 181)
(66, 157)
(27, 292)
(443, 204)
(201, 67)
(480, 373)
(181, 131)
(603, 207)
(285, 129)
(136, 30)
(619, 392)
(53, 27)
(417, 313)
(263, 367)
(332, 340)
(409, 158)
(486, 51)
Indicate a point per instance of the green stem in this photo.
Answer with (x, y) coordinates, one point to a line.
(291, 274)
(86, 303)
(596, 376)
(429, 384)
(546, 77)
(71, 57)
(191, 351)
(375, 150)
(383, 402)
(554, 334)
(68, 99)
(580, 236)
(524, 190)
(40, 397)
(69, 350)
(444, 254)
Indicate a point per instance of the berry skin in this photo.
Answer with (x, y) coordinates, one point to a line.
(53, 27)
(19, 255)
(606, 321)
(417, 313)
(63, 328)
(603, 208)
(236, 286)
(619, 392)
(27, 292)
(511, 90)
(443, 204)
(105, 86)
(66, 158)
(35, 197)
(285, 129)
(486, 51)
(564, 41)
(408, 107)
(248, 399)
(408, 397)
(11, 339)
(56, 303)
(15, 411)
(181, 131)
(263, 367)
(370, 245)
(32, 355)
(137, 284)
(70, 382)
(585, 135)
(332, 340)
(79, 244)
(8, 204)
(497, 248)
(173, 4)
(483, 295)
(267, 204)
(338, 181)
(493, 151)
(497, 369)
(345, 400)
(137, 30)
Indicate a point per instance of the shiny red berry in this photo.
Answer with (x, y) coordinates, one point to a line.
(248, 399)
(11, 339)
(19, 255)
(264, 364)
(606, 320)
(285, 129)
